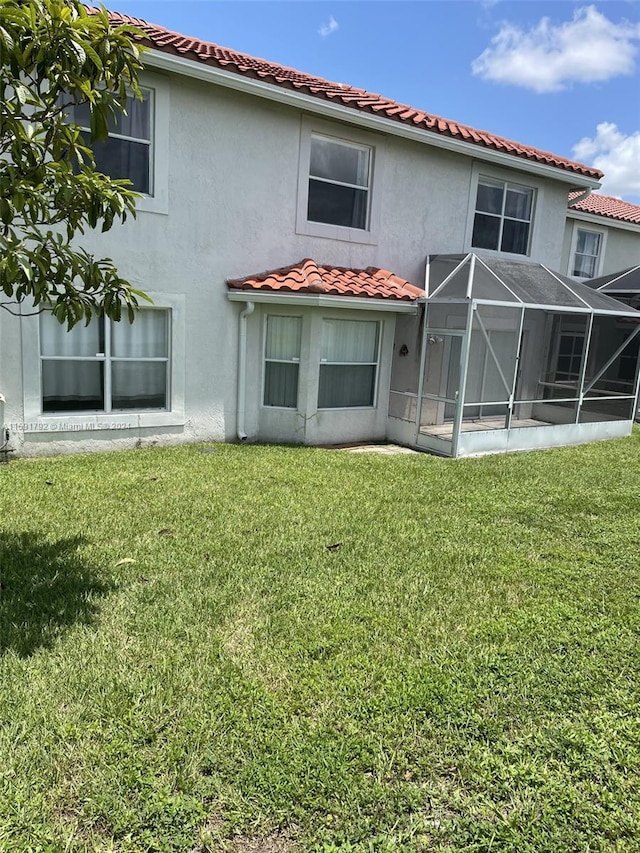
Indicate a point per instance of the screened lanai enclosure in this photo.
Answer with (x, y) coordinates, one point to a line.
(506, 355)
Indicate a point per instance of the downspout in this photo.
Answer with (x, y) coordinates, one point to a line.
(584, 194)
(242, 369)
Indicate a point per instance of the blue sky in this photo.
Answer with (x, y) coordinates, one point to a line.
(562, 76)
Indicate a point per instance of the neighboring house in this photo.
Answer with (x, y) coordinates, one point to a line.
(602, 236)
(245, 167)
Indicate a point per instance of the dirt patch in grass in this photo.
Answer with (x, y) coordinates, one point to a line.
(275, 843)
(242, 643)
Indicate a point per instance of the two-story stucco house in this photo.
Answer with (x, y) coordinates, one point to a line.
(283, 236)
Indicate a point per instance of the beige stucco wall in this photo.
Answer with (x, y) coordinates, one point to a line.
(231, 174)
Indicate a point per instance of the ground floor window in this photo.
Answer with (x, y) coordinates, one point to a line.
(282, 361)
(348, 363)
(569, 357)
(106, 366)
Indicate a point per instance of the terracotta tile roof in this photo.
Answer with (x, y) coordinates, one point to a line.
(309, 277)
(607, 205)
(357, 99)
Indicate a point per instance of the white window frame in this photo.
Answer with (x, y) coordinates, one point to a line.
(157, 200)
(266, 360)
(68, 422)
(579, 226)
(150, 93)
(348, 137)
(574, 336)
(375, 364)
(481, 171)
(108, 360)
(487, 180)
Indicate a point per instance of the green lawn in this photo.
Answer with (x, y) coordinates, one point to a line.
(279, 649)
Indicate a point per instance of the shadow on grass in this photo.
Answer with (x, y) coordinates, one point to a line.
(45, 587)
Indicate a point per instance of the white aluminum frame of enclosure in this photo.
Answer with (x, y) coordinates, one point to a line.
(499, 440)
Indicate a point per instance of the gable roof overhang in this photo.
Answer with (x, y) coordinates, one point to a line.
(601, 220)
(314, 285)
(180, 54)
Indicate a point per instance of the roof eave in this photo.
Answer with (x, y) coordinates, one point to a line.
(201, 71)
(312, 300)
(602, 219)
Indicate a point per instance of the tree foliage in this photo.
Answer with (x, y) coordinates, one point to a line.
(54, 53)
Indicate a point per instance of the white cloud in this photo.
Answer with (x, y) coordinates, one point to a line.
(617, 155)
(548, 58)
(329, 28)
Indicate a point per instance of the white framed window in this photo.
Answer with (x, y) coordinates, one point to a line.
(569, 354)
(128, 151)
(282, 361)
(587, 251)
(503, 216)
(106, 366)
(348, 363)
(338, 183)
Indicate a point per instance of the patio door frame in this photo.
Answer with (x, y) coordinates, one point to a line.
(447, 447)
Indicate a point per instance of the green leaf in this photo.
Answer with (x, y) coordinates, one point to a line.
(21, 93)
(50, 192)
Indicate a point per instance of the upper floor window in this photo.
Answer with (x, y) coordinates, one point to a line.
(106, 366)
(282, 361)
(127, 151)
(586, 255)
(339, 183)
(503, 217)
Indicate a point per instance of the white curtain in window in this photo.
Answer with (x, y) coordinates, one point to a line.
(146, 337)
(283, 338)
(71, 381)
(349, 341)
(588, 243)
(362, 168)
(518, 203)
(282, 351)
(80, 341)
(135, 123)
(138, 385)
(66, 381)
(348, 369)
(361, 197)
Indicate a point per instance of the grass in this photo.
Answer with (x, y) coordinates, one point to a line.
(275, 649)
